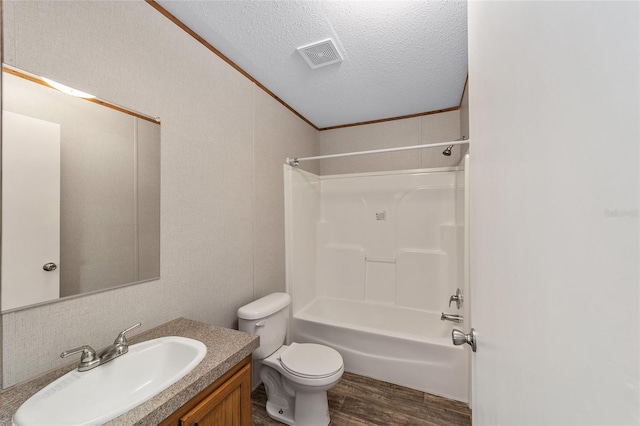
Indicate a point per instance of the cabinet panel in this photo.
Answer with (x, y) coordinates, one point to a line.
(225, 406)
(226, 402)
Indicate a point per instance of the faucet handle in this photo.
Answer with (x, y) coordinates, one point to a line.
(458, 298)
(122, 339)
(88, 354)
(88, 359)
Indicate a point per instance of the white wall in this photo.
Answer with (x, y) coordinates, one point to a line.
(394, 238)
(554, 212)
(223, 144)
(389, 238)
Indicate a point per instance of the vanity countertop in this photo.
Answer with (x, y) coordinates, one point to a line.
(225, 348)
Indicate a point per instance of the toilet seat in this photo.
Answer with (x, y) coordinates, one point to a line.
(311, 361)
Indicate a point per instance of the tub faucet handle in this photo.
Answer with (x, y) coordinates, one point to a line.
(458, 298)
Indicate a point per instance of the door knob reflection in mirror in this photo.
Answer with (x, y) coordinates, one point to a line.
(49, 266)
(459, 338)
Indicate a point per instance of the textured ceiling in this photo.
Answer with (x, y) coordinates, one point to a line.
(400, 57)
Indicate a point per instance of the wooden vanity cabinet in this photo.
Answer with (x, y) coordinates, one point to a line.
(226, 402)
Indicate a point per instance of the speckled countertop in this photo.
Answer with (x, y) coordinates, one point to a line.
(225, 348)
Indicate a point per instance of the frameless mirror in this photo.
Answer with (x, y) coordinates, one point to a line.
(80, 193)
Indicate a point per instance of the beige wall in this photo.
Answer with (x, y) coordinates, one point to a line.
(148, 137)
(464, 112)
(223, 145)
(433, 128)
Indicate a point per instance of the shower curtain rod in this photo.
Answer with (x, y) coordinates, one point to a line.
(296, 161)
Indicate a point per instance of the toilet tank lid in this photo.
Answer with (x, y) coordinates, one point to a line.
(264, 306)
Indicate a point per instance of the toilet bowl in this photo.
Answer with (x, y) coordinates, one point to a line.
(296, 377)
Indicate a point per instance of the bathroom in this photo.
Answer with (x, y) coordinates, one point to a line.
(548, 266)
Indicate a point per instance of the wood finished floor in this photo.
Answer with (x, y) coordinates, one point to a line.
(358, 400)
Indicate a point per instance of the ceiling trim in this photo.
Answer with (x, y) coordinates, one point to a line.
(382, 120)
(215, 51)
(224, 58)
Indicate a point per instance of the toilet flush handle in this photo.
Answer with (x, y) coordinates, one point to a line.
(261, 323)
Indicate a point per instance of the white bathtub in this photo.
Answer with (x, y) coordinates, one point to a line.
(408, 347)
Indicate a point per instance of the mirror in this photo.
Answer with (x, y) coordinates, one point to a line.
(80, 193)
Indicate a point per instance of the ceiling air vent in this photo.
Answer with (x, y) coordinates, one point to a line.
(320, 54)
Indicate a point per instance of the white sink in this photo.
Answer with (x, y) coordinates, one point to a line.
(103, 393)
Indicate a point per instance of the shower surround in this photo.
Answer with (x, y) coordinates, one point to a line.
(372, 259)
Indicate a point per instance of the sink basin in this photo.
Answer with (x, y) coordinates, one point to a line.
(103, 393)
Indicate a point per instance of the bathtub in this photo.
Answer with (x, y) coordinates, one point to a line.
(404, 346)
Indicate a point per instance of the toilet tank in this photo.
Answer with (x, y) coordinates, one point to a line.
(268, 318)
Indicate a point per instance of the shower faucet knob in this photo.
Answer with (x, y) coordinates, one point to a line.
(458, 298)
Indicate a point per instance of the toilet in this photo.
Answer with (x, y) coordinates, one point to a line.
(296, 377)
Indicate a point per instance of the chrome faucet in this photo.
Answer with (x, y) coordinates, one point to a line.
(458, 298)
(451, 317)
(89, 359)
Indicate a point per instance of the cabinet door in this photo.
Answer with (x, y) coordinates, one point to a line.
(228, 405)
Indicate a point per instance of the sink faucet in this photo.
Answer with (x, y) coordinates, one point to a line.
(451, 317)
(89, 359)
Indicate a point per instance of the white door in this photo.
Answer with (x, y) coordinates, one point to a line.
(30, 210)
(554, 91)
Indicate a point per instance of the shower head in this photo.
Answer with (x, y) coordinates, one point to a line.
(447, 152)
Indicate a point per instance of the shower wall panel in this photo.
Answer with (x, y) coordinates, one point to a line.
(390, 238)
(302, 213)
(421, 279)
(345, 277)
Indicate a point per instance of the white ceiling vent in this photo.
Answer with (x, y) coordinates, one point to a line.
(320, 54)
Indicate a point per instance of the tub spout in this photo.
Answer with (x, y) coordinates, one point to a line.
(451, 317)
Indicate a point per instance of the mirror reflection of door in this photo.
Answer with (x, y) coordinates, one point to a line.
(30, 210)
(107, 184)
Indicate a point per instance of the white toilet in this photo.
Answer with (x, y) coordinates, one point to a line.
(296, 377)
